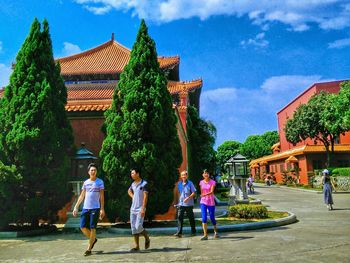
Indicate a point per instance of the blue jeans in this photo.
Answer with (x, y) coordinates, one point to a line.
(211, 209)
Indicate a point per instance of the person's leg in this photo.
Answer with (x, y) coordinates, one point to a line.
(180, 220)
(204, 221)
(133, 219)
(94, 215)
(147, 239)
(212, 219)
(189, 212)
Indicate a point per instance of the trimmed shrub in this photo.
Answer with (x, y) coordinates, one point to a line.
(247, 211)
(345, 171)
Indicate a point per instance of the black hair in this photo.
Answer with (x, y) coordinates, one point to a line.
(91, 165)
(135, 169)
(206, 171)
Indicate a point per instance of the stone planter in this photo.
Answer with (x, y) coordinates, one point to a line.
(342, 182)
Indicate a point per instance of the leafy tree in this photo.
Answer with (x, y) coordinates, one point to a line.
(201, 136)
(10, 194)
(35, 134)
(141, 132)
(256, 146)
(225, 151)
(343, 106)
(319, 119)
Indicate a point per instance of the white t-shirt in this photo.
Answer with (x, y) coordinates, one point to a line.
(92, 194)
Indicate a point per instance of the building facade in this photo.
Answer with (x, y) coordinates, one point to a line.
(299, 161)
(92, 75)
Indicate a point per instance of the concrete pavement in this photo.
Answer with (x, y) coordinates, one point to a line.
(319, 236)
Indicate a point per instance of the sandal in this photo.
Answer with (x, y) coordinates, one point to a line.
(87, 253)
(147, 243)
(134, 249)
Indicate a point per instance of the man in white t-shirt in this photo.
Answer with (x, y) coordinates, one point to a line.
(92, 193)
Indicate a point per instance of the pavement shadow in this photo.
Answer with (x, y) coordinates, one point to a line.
(334, 209)
(151, 250)
(235, 238)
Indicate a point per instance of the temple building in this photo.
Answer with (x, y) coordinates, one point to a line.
(92, 75)
(300, 160)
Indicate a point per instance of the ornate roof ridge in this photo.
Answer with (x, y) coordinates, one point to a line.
(94, 49)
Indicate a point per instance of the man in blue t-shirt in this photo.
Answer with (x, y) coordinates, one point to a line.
(92, 193)
(186, 192)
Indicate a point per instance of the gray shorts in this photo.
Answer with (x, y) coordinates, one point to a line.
(136, 222)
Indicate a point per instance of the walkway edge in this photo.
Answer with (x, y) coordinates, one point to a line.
(290, 219)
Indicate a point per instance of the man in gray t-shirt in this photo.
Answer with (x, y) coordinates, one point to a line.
(139, 194)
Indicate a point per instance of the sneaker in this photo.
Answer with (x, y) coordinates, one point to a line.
(87, 253)
(204, 238)
(147, 243)
(93, 244)
(134, 249)
(178, 235)
(216, 235)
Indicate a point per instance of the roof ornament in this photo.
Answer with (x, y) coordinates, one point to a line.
(112, 39)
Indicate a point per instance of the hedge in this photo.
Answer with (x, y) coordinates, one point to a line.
(247, 211)
(345, 171)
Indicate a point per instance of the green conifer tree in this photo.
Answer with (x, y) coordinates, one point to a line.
(141, 132)
(36, 135)
(201, 136)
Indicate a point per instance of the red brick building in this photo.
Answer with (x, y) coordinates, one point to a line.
(306, 156)
(91, 77)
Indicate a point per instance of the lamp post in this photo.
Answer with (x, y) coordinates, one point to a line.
(237, 167)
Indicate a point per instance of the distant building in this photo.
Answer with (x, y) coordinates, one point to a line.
(92, 75)
(303, 158)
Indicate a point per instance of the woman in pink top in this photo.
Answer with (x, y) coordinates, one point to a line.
(207, 203)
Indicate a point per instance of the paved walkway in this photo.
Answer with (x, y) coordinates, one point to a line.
(319, 236)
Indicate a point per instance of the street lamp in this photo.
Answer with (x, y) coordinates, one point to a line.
(237, 167)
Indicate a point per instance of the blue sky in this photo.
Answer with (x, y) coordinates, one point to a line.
(253, 56)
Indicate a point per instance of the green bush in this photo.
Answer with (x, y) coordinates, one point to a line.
(248, 211)
(345, 171)
(10, 194)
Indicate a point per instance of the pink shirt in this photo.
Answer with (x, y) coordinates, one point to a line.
(205, 188)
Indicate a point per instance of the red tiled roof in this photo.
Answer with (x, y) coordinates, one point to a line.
(108, 58)
(98, 96)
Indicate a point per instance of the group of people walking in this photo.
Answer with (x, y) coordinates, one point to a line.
(92, 193)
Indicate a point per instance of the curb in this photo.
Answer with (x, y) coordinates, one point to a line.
(29, 233)
(290, 219)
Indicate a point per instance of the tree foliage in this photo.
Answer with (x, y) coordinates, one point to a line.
(35, 134)
(141, 132)
(201, 136)
(225, 151)
(321, 119)
(256, 146)
(10, 194)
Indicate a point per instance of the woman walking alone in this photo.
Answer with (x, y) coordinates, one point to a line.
(207, 203)
(327, 189)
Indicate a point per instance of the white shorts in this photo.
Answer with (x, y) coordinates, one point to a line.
(136, 222)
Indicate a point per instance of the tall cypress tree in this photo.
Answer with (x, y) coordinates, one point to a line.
(141, 132)
(36, 135)
(201, 136)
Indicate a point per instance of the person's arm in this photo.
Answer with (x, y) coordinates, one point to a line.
(102, 203)
(333, 184)
(144, 203)
(176, 194)
(80, 199)
(192, 195)
(212, 188)
(130, 193)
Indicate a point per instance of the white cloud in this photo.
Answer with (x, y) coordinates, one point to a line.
(340, 43)
(258, 41)
(298, 15)
(69, 49)
(240, 112)
(5, 72)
